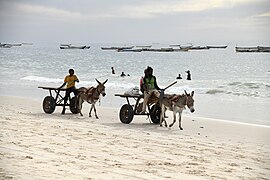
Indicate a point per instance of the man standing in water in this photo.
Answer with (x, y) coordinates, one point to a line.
(70, 82)
(150, 87)
(188, 75)
(113, 72)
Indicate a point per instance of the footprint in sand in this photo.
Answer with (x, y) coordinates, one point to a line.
(233, 164)
(48, 150)
(81, 157)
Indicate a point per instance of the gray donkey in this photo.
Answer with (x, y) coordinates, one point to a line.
(90, 95)
(176, 103)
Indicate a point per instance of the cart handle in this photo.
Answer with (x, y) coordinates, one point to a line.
(170, 85)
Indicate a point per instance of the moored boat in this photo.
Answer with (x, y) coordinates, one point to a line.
(198, 48)
(217, 47)
(129, 50)
(5, 45)
(16, 44)
(108, 48)
(159, 50)
(117, 47)
(68, 46)
(253, 49)
(181, 49)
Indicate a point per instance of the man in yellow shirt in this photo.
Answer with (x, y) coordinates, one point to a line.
(70, 82)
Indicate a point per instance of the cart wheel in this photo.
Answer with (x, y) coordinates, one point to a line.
(126, 114)
(155, 113)
(49, 104)
(73, 105)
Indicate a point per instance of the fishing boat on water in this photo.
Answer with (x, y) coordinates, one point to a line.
(117, 48)
(108, 48)
(159, 50)
(5, 45)
(16, 44)
(253, 49)
(9, 45)
(181, 49)
(69, 46)
(198, 48)
(129, 50)
(217, 47)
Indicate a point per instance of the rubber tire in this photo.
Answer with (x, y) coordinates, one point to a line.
(126, 114)
(155, 113)
(73, 105)
(49, 104)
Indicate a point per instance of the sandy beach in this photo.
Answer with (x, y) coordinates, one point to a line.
(35, 145)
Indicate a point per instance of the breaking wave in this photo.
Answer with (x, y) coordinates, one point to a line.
(215, 91)
(42, 79)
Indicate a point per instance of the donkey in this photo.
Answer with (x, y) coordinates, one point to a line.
(176, 103)
(90, 95)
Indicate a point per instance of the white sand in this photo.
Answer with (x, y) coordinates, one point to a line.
(35, 145)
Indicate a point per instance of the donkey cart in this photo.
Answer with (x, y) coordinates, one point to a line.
(50, 102)
(128, 111)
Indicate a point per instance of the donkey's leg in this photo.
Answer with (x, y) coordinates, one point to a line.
(174, 116)
(161, 119)
(180, 115)
(165, 122)
(91, 110)
(79, 106)
(95, 111)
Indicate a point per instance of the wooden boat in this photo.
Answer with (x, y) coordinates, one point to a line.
(117, 47)
(246, 49)
(5, 45)
(144, 47)
(17, 44)
(217, 47)
(129, 50)
(123, 47)
(181, 49)
(185, 46)
(108, 48)
(253, 49)
(74, 47)
(198, 47)
(159, 50)
(264, 48)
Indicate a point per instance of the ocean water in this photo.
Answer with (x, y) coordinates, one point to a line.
(228, 85)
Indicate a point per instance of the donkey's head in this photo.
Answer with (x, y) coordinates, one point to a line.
(190, 101)
(101, 87)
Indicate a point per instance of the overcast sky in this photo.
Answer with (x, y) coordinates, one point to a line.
(136, 21)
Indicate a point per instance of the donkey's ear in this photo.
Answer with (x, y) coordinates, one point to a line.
(192, 93)
(186, 93)
(105, 81)
(98, 81)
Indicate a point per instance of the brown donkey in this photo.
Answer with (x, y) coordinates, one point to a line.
(90, 95)
(176, 103)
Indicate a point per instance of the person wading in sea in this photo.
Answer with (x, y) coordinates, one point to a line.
(113, 72)
(70, 82)
(188, 75)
